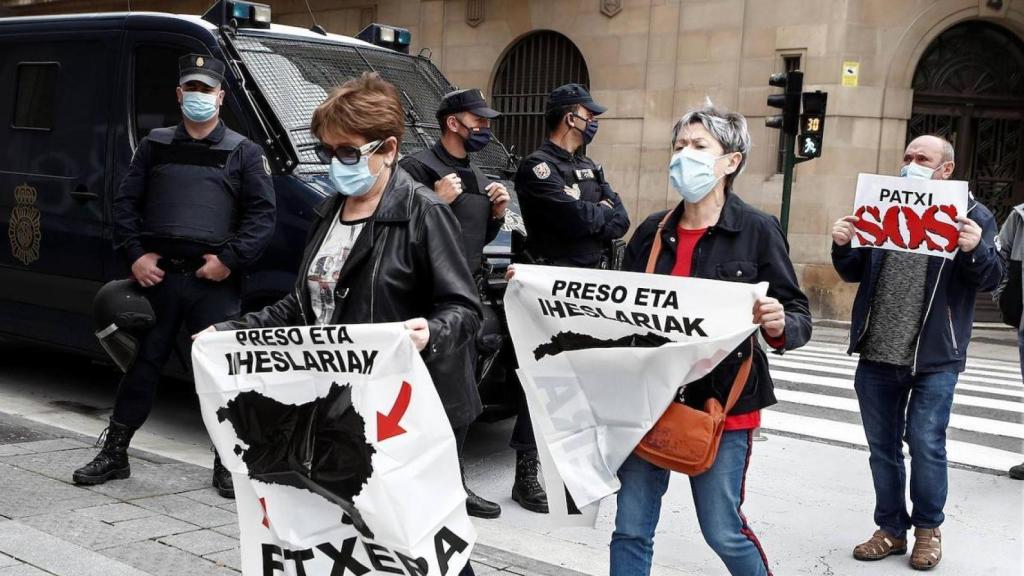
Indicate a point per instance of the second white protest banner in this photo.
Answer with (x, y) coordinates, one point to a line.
(602, 355)
(342, 457)
(909, 214)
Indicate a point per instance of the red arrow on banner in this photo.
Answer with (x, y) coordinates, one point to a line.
(387, 425)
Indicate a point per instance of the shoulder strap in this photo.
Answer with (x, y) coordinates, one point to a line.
(428, 158)
(740, 382)
(652, 260)
(230, 141)
(162, 135)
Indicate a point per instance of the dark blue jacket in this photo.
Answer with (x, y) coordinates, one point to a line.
(951, 287)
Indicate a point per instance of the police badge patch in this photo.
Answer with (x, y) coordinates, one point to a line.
(24, 231)
(542, 170)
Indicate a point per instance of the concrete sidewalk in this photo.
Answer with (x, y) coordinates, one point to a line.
(164, 520)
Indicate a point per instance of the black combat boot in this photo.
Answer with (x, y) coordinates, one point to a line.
(112, 461)
(527, 489)
(222, 478)
(477, 506)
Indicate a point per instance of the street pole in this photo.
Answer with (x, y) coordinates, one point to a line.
(788, 163)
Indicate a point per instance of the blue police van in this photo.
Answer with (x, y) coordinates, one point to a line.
(80, 92)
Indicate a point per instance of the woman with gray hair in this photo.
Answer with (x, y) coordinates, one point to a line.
(713, 234)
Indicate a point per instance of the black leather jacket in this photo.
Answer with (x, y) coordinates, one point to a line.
(746, 245)
(406, 263)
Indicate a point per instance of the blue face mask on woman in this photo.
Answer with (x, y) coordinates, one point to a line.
(692, 173)
(198, 106)
(355, 179)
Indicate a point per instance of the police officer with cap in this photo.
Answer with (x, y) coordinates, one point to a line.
(478, 203)
(572, 215)
(572, 218)
(194, 210)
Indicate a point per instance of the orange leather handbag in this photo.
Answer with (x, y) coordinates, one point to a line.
(685, 439)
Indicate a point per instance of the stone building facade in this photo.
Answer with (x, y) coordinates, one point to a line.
(892, 68)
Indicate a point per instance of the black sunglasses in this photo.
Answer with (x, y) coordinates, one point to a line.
(347, 155)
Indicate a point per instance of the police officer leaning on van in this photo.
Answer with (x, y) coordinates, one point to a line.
(571, 213)
(195, 208)
(478, 203)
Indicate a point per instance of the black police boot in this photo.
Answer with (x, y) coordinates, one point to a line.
(112, 461)
(477, 506)
(222, 479)
(527, 490)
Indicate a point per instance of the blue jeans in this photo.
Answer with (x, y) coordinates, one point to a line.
(894, 404)
(717, 498)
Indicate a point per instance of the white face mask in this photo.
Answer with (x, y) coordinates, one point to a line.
(915, 170)
(692, 174)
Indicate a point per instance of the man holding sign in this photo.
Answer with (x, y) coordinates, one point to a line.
(933, 250)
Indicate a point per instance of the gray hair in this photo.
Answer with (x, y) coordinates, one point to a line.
(947, 150)
(728, 128)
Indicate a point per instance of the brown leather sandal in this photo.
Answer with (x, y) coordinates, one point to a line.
(927, 549)
(879, 546)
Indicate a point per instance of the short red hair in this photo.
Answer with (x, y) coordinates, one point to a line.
(367, 106)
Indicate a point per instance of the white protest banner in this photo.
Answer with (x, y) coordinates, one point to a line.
(342, 457)
(909, 214)
(602, 355)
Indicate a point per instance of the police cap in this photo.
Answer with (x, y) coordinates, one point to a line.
(468, 100)
(574, 94)
(204, 68)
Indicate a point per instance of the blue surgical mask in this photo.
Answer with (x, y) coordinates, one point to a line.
(354, 180)
(692, 173)
(589, 132)
(478, 139)
(915, 170)
(198, 106)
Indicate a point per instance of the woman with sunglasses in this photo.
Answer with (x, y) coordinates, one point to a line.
(384, 249)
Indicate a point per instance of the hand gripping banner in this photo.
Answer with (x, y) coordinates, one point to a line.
(341, 454)
(602, 355)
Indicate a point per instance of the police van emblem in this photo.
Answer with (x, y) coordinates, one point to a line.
(542, 171)
(266, 165)
(200, 61)
(24, 229)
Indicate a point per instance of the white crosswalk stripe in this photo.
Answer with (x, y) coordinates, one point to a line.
(814, 386)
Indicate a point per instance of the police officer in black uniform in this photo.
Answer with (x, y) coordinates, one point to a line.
(478, 203)
(573, 218)
(195, 208)
(572, 215)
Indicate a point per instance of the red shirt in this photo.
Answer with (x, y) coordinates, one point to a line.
(687, 242)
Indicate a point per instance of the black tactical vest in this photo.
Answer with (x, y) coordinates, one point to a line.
(472, 209)
(192, 189)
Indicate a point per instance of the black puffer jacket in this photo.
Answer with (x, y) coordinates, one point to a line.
(406, 263)
(746, 245)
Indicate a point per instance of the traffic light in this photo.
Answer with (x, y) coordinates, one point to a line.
(812, 124)
(788, 101)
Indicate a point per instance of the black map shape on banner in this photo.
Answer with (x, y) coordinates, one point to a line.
(319, 446)
(568, 341)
